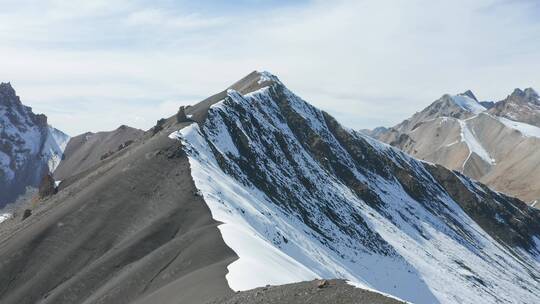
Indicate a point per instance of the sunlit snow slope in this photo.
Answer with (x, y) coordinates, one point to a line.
(302, 197)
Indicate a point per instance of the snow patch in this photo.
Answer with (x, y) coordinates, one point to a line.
(239, 209)
(467, 136)
(468, 104)
(265, 76)
(55, 145)
(5, 216)
(499, 219)
(525, 129)
(362, 286)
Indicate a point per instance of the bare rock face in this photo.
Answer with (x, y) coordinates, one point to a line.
(521, 105)
(29, 147)
(26, 214)
(125, 144)
(181, 115)
(106, 155)
(159, 126)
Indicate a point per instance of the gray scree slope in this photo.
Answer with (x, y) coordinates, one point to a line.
(86, 150)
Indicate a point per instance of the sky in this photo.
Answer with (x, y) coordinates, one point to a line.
(97, 64)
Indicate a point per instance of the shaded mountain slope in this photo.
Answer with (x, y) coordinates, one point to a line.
(118, 232)
(29, 147)
(86, 150)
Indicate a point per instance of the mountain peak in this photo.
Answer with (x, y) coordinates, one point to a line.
(5, 86)
(255, 81)
(517, 91)
(468, 102)
(123, 127)
(299, 161)
(529, 92)
(7, 90)
(528, 95)
(266, 76)
(469, 94)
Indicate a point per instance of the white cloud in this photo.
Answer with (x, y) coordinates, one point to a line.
(368, 62)
(164, 19)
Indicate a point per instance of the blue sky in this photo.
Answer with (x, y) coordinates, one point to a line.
(94, 65)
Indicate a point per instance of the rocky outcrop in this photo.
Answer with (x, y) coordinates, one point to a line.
(181, 114)
(47, 187)
(159, 126)
(26, 214)
(521, 105)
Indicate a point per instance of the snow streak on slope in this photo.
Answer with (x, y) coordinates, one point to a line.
(54, 147)
(525, 129)
(468, 104)
(300, 197)
(357, 285)
(5, 216)
(26, 135)
(275, 247)
(474, 146)
(227, 198)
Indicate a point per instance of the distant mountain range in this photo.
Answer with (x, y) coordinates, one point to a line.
(497, 143)
(29, 147)
(254, 196)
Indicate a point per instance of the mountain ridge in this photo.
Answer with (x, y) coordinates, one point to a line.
(246, 157)
(253, 180)
(495, 145)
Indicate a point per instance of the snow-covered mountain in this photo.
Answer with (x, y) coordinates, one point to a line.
(496, 143)
(302, 197)
(29, 147)
(254, 186)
